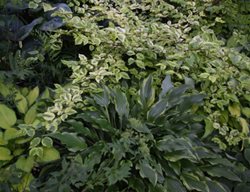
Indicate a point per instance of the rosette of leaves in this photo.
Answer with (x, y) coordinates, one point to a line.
(140, 143)
(22, 142)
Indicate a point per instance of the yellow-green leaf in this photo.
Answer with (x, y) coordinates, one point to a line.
(49, 154)
(12, 134)
(5, 154)
(7, 117)
(30, 115)
(25, 164)
(21, 103)
(234, 110)
(246, 112)
(32, 96)
(244, 125)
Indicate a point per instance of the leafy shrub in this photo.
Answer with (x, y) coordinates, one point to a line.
(124, 42)
(23, 143)
(128, 142)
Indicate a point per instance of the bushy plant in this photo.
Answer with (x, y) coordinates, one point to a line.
(140, 142)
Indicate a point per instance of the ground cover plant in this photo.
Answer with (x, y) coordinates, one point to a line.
(124, 95)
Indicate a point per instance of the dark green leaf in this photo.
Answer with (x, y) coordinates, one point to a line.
(166, 85)
(174, 185)
(146, 171)
(147, 92)
(138, 125)
(193, 182)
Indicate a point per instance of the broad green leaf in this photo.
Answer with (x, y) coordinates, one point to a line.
(13, 133)
(31, 114)
(102, 99)
(146, 171)
(147, 92)
(244, 125)
(136, 184)
(174, 185)
(72, 141)
(222, 172)
(5, 154)
(25, 164)
(157, 109)
(4, 89)
(49, 154)
(242, 187)
(208, 128)
(234, 110)
(138, 125)
(21, 103)
(166, 85)
(7, 117)
(247, 154)
(47, 142)
(216, 187)
(121, 103)
(246, 111)
(193, 182)
(33, 95)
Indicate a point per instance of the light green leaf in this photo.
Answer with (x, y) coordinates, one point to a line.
(21, 103)
(35, 142)
(48, 116)
(246, 111)
(5, 154)
(7, 117)
(31, 114)
(12, 134)
(244, 125)
(47, 142)
(25, 164)
(234, 110)
(208, 128)
(49, 154)
(33, 95)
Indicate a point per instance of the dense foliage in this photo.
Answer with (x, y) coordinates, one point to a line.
(82, 100)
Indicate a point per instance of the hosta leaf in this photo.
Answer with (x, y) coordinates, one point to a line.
(146, 171)
(21, 103)
(136, 184)
(7, 117)
(102, 99)
(174, 185)
(30, 116)
(242, 187)
(166, 85)
(247, 154)
(33, 95)
(5, 154)
(72, 141)
(246, 111)
(49, 154)
(208, 128)
(234, 110)
(49, 116)
(193, 182)
(121, 103)
(147, 92)
(222, 172)
(176, 93)
(35, 142)
(244, 125)
(157, 109)
(138, 125)
(216, 187)
(12, 134)
(25, 164)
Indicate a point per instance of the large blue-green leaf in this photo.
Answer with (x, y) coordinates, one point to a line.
(147, 92)
(166, 85)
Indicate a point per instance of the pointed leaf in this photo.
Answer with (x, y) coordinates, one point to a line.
(208, 128)
(166, 85)
(72, 141)
(138, 125)
(147, 92)
(7, 117)
(31, 114)
(157, 109)
(174, 185)
(146, 171)
(33, 95)
(21, 103)
(216, 187)
(121, 103)
(193, 182)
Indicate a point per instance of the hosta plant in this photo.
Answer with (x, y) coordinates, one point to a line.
(142, 142)
(23, 144)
